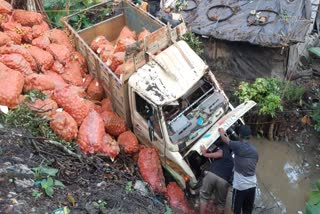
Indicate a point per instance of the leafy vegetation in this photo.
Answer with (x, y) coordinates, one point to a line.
(43, 176)
(101, 205)
(59, 8)
(32, 95)
(270, 94)
(314, 196)
(315, 115)
(23, 117)
(194, 42)
(181, 4)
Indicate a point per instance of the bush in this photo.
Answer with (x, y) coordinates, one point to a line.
(270, 94)
(194, 42)
(266, 92)
(57, 9)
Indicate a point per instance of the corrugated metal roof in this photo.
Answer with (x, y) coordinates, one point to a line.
(169, 75)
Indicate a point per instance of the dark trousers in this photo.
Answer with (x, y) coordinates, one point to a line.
(243, 200)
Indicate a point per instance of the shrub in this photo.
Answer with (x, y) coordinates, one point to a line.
(270, 94)
(194, 42)
(265, 91)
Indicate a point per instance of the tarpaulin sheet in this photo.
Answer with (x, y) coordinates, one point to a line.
(290, 25)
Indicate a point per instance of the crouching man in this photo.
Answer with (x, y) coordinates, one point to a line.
(216, 180)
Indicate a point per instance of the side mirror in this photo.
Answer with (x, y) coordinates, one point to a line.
(151, 130)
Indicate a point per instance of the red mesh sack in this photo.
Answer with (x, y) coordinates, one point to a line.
(28, 18)
(150, 169)
(18, 49)
(122, 44)
(4, 18)
(92, 105)
(60, 37)
(113, 124)
(177, 199)
(57, 80)
(64, 126)
(40, 29)
(5, 7)
(76, 56)
(115, 60)
(127, 33)
(59, 52)
(89, 103)
(91, 133)
(16, 62)
(15, 37)
(143, 34)
(13, 30)
(79, 91)
(71, 103)
(43, 58)
(72, 73)
(38, 81)
(4, 39)
(110, 147)
(41, 42)
(26, 34)
(95, 90)
(129, 142)
(17, 32)
(98, 41)
(57, 67)
(46, 108)
(135, 156)
(119, 70)
(11, 85)
(105, 52)
(87, 80)
(106, 104)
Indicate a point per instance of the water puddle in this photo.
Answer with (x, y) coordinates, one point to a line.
(283, 178)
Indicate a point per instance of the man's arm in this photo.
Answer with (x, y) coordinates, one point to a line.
(224, 136)
(215, 155)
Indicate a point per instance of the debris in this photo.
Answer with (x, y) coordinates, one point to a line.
(141, 187)
(24, 183)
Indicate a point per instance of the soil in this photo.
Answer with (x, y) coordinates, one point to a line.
(89, 181)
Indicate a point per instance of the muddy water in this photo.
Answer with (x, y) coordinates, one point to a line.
(283, 177)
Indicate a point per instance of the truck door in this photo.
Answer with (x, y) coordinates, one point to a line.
(146, 123)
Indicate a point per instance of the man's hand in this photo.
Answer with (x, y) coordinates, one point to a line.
(221, 132)
(224, 136)
(203, 150)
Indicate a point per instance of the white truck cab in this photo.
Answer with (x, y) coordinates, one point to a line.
(177, 106)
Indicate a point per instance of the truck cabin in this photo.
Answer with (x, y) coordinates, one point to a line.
(174, 100)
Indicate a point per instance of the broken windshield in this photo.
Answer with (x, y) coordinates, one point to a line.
(195, 112)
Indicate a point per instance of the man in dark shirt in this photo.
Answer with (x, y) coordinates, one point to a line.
(216, 180)
(244, 178)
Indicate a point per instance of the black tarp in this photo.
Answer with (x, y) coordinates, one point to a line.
(288, 27)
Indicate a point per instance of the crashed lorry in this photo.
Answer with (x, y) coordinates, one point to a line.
(167, 94)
